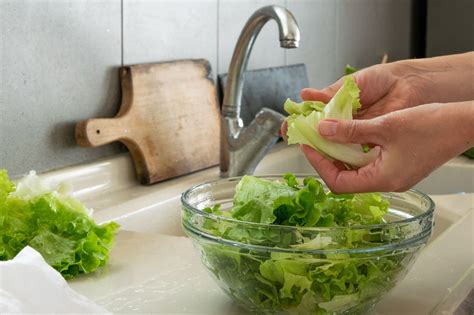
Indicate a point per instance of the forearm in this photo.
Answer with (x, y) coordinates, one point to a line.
(439, 79)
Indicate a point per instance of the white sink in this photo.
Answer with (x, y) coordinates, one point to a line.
(153, 267)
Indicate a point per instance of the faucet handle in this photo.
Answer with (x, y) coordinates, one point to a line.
(269, 119)
(244, 150)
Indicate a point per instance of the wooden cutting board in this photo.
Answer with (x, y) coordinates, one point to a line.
(168, 119)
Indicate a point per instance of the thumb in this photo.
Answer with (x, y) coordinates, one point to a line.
(349, 131)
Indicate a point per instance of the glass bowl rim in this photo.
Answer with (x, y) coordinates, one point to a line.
(412, 242)
(185, 203)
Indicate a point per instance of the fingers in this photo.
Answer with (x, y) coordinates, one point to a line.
(323, 95)
(343, 181)
(374, 83)
(355, 181)
(327, 93)
(333, 88)
(315, 95)
(359, 77)
(325, 168)
(351, 131)
(283, 130)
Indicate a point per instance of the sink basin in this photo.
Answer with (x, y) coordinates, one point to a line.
(153, 268)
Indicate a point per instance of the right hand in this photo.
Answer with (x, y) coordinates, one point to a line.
(412, 142)
(384, 88)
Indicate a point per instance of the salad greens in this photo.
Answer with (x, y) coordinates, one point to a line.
(350, 69)
(270, 279)
(286, 203)
(55, 224)
(304, 120)
(469, 153)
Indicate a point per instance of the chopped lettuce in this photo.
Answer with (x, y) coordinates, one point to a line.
(286, 203)
(55, 224)
(302, 283)
(304, 120)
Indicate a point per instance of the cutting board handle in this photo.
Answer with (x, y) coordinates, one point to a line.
(99, 131)
(95, 132)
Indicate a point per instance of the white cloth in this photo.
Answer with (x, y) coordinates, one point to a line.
(29, 285)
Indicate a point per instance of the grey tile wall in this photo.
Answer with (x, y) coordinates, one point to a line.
(366, 29)
(59, 59)
(393, 28)
(316, 19)
(450, 28)
(233, 14)
(161, 30)
(355, 37)
(58, 66)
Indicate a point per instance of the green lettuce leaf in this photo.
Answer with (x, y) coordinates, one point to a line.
(340, 303)
(55, 224)
(350, 69)
(254, 197)
(304, 120)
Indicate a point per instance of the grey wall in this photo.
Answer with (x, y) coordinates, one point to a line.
(59, 59)
(450, 27)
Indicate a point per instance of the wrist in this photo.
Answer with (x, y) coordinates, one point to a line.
(466, 117)
(459, 118)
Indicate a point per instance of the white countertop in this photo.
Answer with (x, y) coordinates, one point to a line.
(156, 273)
(155, 269)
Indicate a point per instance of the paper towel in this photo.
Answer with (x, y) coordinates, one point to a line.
(29, 285)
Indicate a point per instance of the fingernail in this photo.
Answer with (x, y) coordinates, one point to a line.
(327, 128)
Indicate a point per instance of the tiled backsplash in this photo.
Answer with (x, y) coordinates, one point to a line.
(59, 59)
(450, 27)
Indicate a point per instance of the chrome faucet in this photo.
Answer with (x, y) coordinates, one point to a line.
(242, 147)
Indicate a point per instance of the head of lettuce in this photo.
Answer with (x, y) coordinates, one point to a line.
(304, 118)
(55, 224)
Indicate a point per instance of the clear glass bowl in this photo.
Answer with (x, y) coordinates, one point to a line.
(280, 275)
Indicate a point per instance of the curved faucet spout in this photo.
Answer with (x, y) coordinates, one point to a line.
(243, 147)
(289, 38)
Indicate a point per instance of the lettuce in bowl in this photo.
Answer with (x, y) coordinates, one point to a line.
(290, 246)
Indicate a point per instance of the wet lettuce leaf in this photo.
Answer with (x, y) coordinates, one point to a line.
(55, 224)
(287, 203)
(304, 120)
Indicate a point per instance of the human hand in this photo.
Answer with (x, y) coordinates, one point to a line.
(398, 85)
(413, 142)
(384, 88)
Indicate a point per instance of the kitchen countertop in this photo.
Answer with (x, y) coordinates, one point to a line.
(155, 269)
(158, 273)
